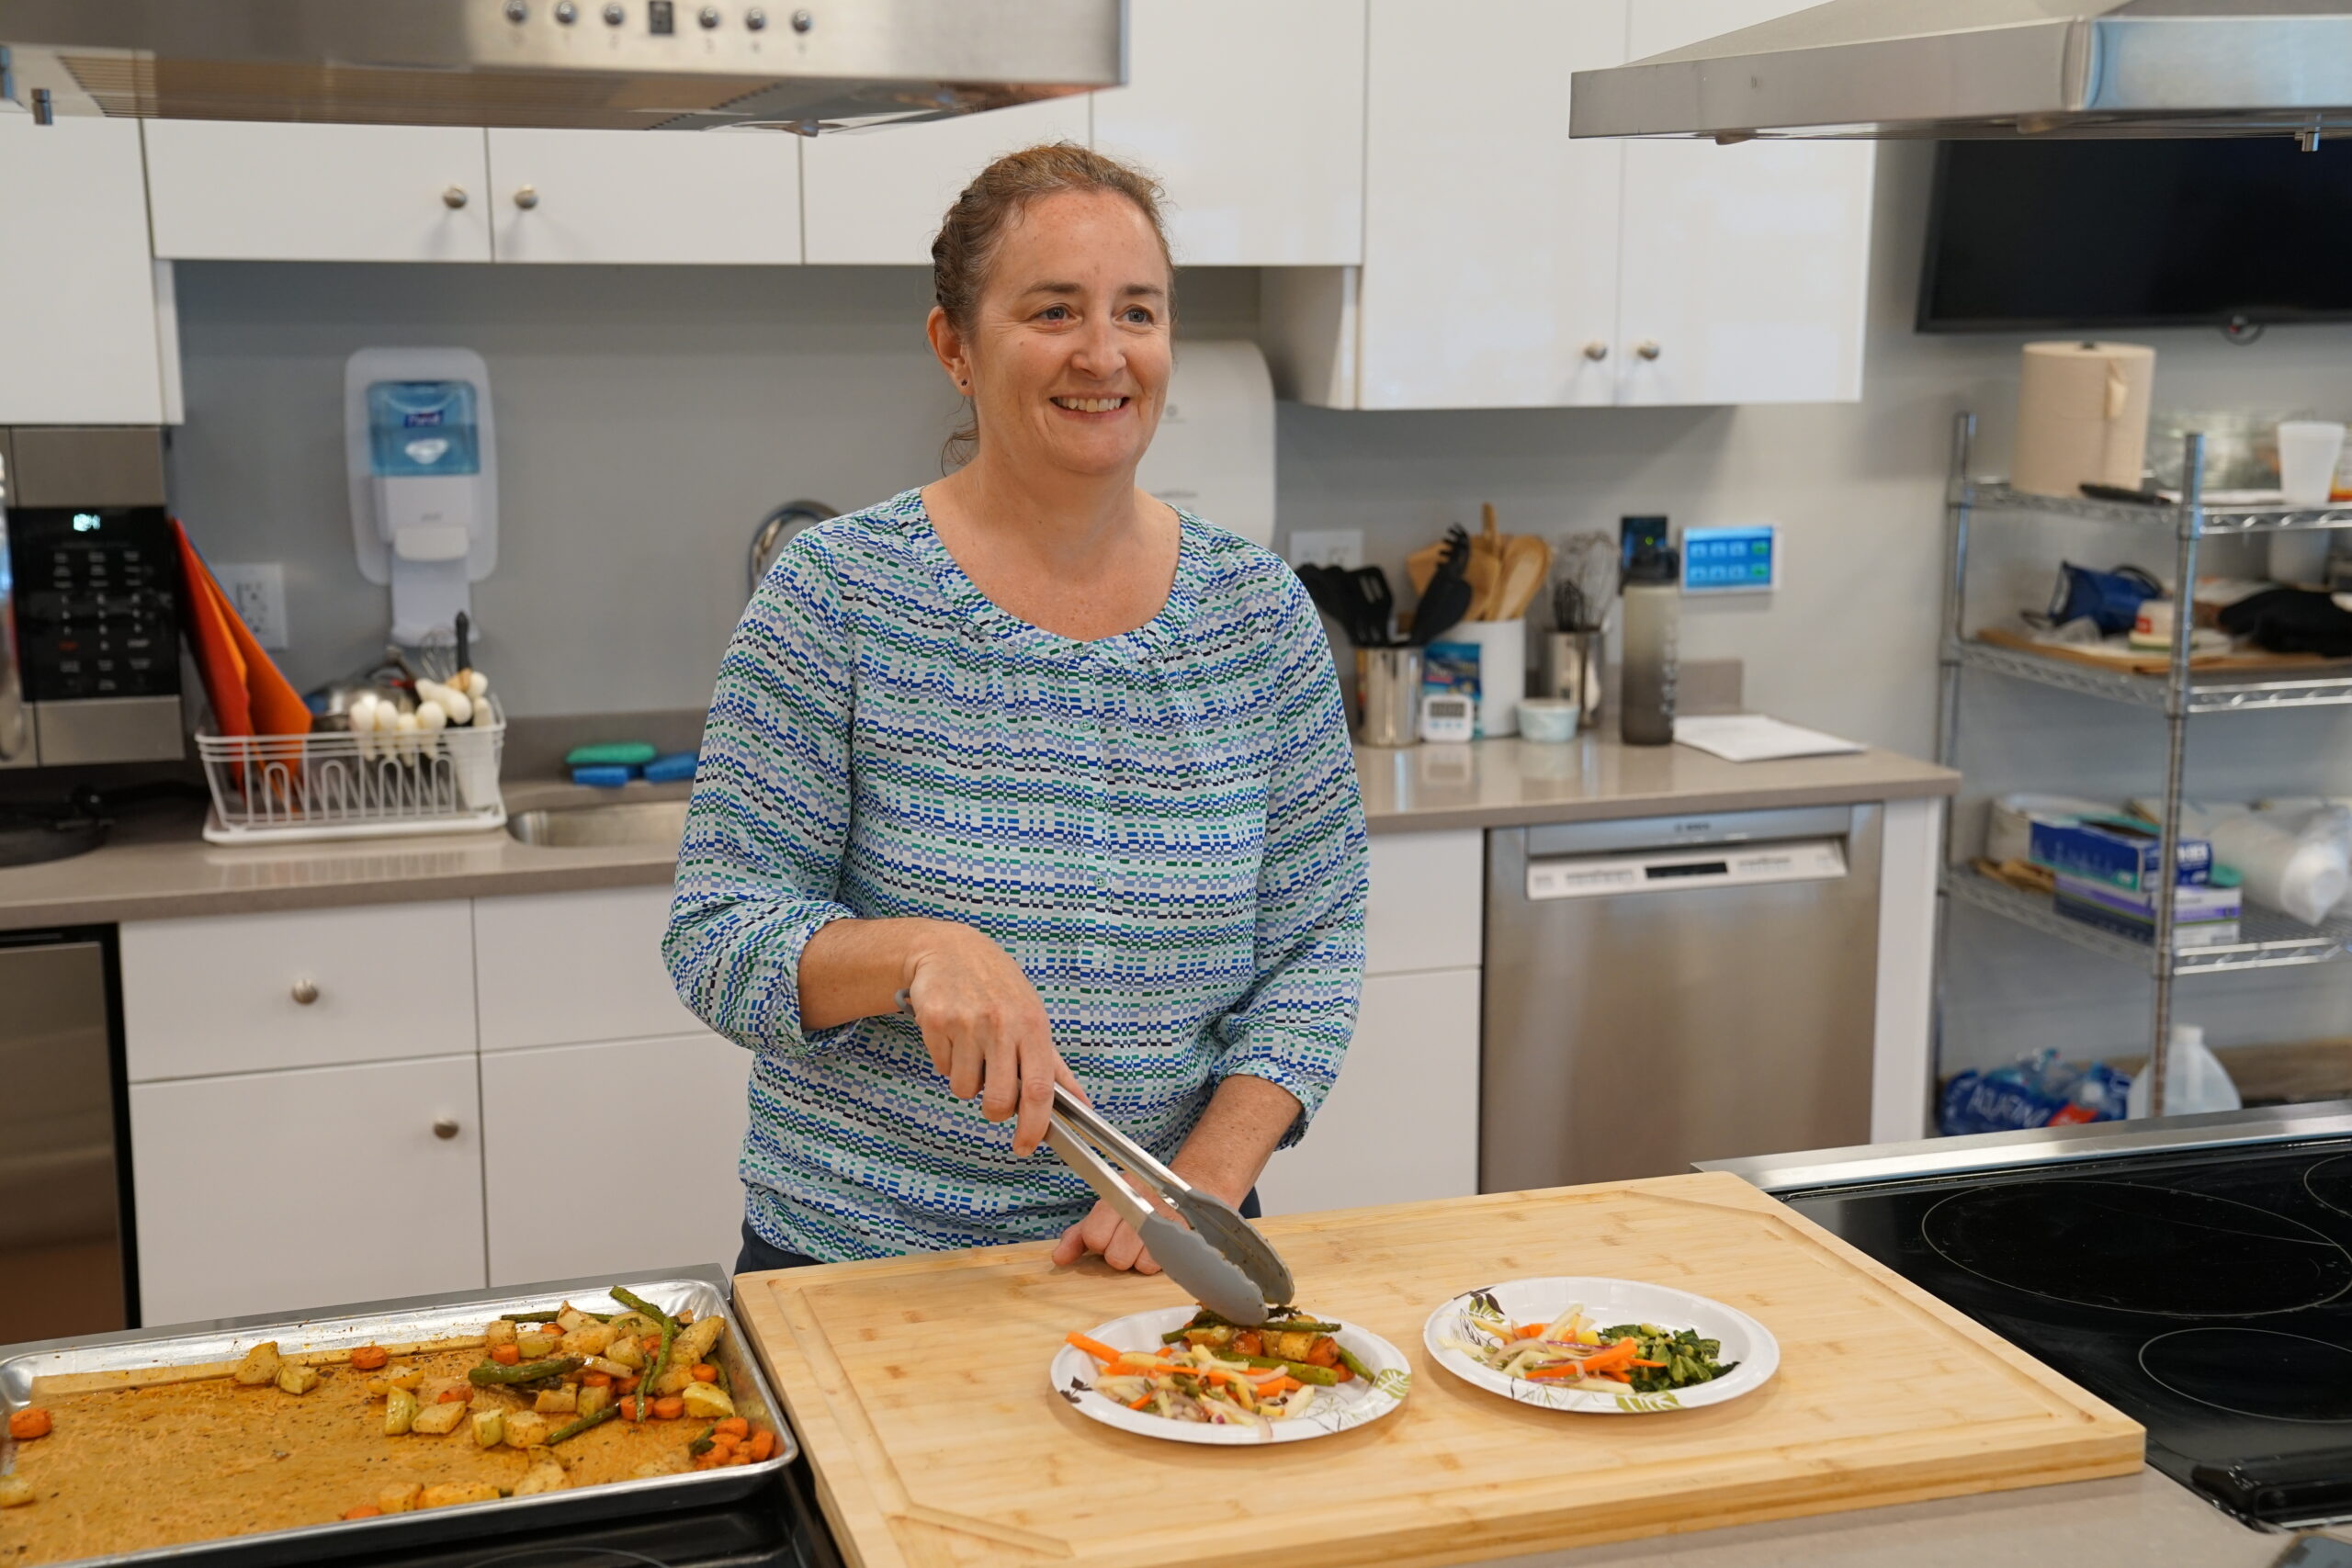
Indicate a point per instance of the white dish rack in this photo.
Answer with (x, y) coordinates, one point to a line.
(287, 789)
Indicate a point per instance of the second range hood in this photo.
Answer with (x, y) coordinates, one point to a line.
(1880, 69)
(596, 64)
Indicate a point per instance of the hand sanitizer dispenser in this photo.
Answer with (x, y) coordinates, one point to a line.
(423, 461)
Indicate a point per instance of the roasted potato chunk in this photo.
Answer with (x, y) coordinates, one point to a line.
(544, 1476)
(588, 1339)
(562, 1401)
(490, 1428)
(297, 1379)
(1292, 1345)
(591, 1400)
(15, 1492)
(398, 1499)
(399, 1412)
(570, 1317)
(395, 1377)
(497, 1332)
(528, 1429)
(626, 1352)
(440, 1420)
(707, 1402)
(536, 1346)
(260, 1365)
(693, 1344)
(467, 1492)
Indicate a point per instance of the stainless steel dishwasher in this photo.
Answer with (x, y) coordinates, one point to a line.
(1676, 989)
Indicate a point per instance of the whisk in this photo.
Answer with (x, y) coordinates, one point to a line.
(1584, 585)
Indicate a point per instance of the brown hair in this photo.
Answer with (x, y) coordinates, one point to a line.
(969, 235)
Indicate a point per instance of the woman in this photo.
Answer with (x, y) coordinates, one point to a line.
(1064, 764)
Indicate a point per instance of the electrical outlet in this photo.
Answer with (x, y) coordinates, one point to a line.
(257, 592)
(1327, 546)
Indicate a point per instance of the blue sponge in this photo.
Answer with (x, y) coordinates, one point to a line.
(668, 770)
(604, 775)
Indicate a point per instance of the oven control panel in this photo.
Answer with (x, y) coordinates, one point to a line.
(96, 594)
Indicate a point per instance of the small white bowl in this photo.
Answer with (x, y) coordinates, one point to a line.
(1549, 719)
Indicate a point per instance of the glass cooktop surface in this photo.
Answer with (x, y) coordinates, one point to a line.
(2207, 1293)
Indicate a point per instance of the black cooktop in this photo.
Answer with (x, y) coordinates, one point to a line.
(2206, 1294)
(778, 1526)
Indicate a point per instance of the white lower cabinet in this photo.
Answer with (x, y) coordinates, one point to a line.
(285, 1191)
(565, 968)
(612, 1159)
(1401, 1126)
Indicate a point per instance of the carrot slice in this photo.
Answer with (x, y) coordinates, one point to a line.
(369, 1357)
(596, 1380)
(705, 1372)
(735, 1425)
(30, 1421)
(504, 1355)
(669, 1407)
(762, 1447)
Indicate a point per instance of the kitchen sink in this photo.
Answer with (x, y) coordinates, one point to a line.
(653, 823)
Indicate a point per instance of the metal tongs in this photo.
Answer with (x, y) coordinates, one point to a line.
(1221, 1258)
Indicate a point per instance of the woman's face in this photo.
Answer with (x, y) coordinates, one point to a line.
(1067, 361)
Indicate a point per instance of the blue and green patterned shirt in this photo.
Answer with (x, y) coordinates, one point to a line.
(1161, 827)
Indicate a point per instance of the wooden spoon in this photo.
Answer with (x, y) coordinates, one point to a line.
(1527, 561)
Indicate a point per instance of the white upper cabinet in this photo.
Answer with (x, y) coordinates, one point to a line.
(1745, 269)
(636, 196)
(876, 198)
(232, 191)
(77, 289)
(1252, 116)
(1490, 238)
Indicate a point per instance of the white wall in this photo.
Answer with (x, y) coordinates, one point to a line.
(647, 417)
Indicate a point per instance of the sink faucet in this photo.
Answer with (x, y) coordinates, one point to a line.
(775, 528)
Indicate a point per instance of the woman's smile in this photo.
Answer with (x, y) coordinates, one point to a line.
(1090, 407)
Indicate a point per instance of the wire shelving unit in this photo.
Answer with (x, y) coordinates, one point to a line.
(2267, 939)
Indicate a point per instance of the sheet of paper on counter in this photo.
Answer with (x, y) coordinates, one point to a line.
(1754, 738)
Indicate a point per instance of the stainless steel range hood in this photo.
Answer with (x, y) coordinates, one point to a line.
(1882, 69)
(616, 64)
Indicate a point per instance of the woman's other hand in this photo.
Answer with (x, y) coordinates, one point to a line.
(1103, 1230)
(986, 1030)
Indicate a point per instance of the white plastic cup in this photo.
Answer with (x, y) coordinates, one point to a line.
(2308, 449)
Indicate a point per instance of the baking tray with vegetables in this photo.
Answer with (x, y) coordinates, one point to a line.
(385, 1425)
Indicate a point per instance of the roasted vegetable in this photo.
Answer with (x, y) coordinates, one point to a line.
(30, 1421)
(398, 1499)
(588, 1339)
(500, 1331)
(15, 1492)
(490, 1374)
(574, 1429)
(592, 1400)
(706, 1401)
(399, 1412)
(639, 1304)
(297, 1379)
(490, 1428)
(462, 1492)
(693, 1345)
(564, 1401)
(369, 1358)
(627, 1354)
(260, 1365)
(545, 1476)
(439, 1420)
(528, 1429)
(531, 1347)
(398, 1377)
(570, 1318)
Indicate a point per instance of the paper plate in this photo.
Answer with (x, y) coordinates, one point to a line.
(1339, 1409)
(1607, 1302)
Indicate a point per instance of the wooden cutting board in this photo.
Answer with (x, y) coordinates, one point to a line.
(918, 1387)
(2155, 663)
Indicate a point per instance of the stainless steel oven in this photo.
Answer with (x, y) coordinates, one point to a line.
(65, 1233)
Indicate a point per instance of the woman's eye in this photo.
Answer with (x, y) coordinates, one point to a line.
(1054, 313)
(1140, 315)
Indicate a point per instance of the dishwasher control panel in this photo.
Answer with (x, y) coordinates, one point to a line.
(1657, 871)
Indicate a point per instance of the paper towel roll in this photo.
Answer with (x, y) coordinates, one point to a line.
(2082, 416)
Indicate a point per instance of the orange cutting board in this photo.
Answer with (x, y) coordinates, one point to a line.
(918, 1389)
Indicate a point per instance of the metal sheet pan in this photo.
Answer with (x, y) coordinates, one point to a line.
(417, 1319)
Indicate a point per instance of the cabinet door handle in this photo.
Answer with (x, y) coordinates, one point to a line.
(526, 196)
(454, 198)
(1596, 351)
(306, 991)
(1649, 348)
(444, 1127)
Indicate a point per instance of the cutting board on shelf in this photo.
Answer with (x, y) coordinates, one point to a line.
(919, 1389)
(2150, 663)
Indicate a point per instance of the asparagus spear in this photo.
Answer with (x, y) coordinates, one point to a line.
(489, 1373)
(574, 1429)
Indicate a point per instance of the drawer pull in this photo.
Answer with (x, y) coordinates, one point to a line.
(305, 992)
(444, 1127)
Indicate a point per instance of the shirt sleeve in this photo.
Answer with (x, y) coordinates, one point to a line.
(759, 867)
(1293, 1026)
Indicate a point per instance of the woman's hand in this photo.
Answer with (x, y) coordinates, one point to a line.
(1246, 1118)
(985, 1028)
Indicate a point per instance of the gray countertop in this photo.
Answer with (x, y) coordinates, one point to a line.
(157, 865)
